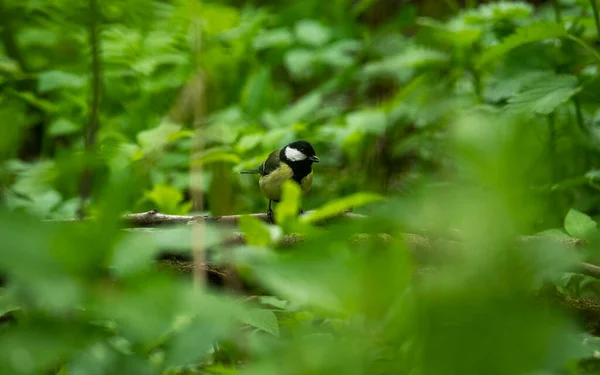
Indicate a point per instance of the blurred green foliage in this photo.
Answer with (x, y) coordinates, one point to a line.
(451, 119)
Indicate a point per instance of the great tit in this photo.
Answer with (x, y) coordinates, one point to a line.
(294, 161)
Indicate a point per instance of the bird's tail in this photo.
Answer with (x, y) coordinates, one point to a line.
(253, 171)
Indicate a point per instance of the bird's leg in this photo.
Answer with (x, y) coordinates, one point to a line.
(270, 215)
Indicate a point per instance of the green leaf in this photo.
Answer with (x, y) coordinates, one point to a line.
(412, 57)
(553, 233)
(367, 121)
(63, 126)
(506, 86)
(312, 33)
(339, 54)
(166, 198)
(255, 231)
(299, 62)
(279, 38)
(210, 319)
(213, 155)
(155, 139)
(263, 319)
(496, 12)
(336, 207)
(56, 79)
(289, 206)
(578, 224)
(254, 97)
(302, 109)
(545, 95)
(535, 32)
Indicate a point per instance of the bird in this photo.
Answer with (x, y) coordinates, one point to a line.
(292, 162)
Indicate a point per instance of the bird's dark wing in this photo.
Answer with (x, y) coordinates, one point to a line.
(269, 165)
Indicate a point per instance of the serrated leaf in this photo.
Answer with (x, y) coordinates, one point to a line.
(338, 206)
(263, 319)
(532, 33)
(507, 86)
(544, 96)
(578, 224)
(255, 231)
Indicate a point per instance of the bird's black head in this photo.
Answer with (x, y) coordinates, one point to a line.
(299, 152)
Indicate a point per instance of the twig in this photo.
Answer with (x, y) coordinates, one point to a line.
(93, 122)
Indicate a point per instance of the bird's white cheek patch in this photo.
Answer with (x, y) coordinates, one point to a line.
(293, 154)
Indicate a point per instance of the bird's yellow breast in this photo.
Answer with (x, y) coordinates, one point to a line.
(271, 184)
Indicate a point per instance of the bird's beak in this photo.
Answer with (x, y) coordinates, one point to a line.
(314, 159)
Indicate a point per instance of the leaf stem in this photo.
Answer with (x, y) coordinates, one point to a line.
(579, 115)
(586, 46)
(94, 114)
(594, 4)
(557, 11)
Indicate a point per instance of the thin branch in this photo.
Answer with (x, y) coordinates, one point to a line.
(154, 218)
(93, 122)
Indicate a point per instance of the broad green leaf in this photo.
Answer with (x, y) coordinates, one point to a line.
(312, 33)
(535, 32)
(56, 79)
(578, 224)
(255, 231)
(263, 319)
(544, 96)
(290, 202)
(340, 205)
